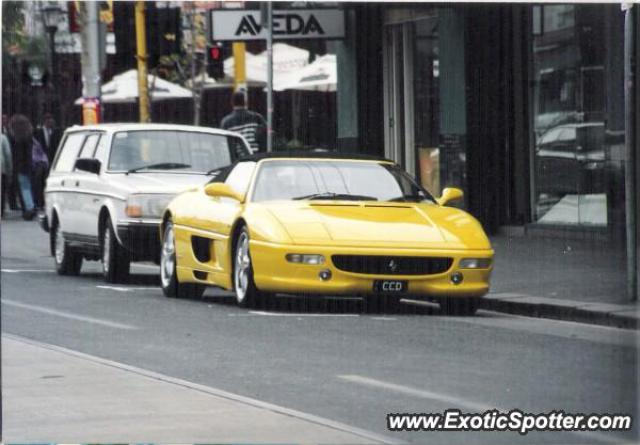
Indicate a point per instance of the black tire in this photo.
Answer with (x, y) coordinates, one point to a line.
(171, 287)
(115, 259)
(247, 294)
(459, 306)
(66, 259)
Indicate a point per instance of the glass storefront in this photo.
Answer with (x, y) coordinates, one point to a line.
(577, 97)
(425, 94)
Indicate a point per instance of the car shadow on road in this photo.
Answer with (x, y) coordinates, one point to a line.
(286, 304)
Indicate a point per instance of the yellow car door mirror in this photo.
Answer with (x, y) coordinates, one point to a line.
(222, 190)
(450, 194)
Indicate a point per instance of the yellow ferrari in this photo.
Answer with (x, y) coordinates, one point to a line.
(323, 224)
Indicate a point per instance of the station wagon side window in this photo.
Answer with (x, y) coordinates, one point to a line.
(69, 152)
(89, 147)
(102, 150)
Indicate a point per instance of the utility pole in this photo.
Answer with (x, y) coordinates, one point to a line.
(270, 77)
(141, 41)
(91, 62)
(240, 70)
(195, 93)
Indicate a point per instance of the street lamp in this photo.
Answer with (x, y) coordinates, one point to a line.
(51, 16)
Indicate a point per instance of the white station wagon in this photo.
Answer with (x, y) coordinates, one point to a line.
(110, 183)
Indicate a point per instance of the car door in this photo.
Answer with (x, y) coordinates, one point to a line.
(87, 195)
(61, 189)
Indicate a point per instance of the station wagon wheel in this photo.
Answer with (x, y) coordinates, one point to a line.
(247, 294)
(67, 260)
(171, 287)
(115, 260)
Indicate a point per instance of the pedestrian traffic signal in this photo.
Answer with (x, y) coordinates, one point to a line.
(215, 61)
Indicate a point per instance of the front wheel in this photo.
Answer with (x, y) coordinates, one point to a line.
(459, 306)
(68, 261)
(115, 259)
(247, 294)
(171, 287)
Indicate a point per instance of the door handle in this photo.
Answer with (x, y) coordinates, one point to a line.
(77, 183)
(62, 183)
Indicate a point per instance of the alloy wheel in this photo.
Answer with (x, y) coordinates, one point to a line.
(167, 259)
(60, 245)
(106, 250)
(242, 267)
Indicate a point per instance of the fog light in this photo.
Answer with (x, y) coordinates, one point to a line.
(325, 274)
(304, 258)
(475, 263)
(456, 278)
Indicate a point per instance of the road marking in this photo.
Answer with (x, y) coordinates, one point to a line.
(369, 435)
(384, 318)
(116, 288)
(26, 271)
(460, 402)
(408, 390)
(127, 289)
(286, 314)
(45, 310)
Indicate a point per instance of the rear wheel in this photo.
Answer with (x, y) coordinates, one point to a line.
(459, 306)
(115, 259)
(171, 287)
(247, 294)
(68, 261)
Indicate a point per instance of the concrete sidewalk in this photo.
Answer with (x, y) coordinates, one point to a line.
(575, 280)
(54, 395)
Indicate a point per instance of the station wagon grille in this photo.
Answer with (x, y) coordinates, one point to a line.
(392, 265)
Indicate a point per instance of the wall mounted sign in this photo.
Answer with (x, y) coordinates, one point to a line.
(241, 25)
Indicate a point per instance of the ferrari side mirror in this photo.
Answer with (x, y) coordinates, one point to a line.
(450, 194)
(222, 190)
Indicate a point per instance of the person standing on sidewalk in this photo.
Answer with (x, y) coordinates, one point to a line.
(21, 139)
(48, 136)
(248, 123)
(6, 170)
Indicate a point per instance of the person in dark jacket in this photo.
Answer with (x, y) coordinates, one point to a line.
(49, 136)
(248, 123)
(21, 139)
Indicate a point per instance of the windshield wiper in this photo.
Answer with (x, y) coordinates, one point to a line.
(160, 165)
(407, 198)
(331, 195)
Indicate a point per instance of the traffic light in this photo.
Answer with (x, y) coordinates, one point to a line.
(215, 61)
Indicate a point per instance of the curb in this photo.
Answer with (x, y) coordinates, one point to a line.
(612, 315)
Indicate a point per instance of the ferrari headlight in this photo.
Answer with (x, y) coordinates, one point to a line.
(304, 258)
(147, 205)
(475, 263)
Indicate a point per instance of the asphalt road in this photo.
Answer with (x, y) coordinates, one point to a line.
(329, 359)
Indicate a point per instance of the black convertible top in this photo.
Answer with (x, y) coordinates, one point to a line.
(310, 154)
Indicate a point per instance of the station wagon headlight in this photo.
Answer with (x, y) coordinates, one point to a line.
(147, 205)
(304, 258)
(475, 263)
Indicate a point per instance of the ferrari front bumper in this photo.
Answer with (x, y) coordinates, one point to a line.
(273, 273)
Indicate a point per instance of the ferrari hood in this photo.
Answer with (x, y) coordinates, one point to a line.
(363, 224)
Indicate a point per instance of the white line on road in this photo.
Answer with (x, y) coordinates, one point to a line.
(116, 288)
(408, 390)
(26, 271)
(384, 318)
(286, 314)
(45, 310)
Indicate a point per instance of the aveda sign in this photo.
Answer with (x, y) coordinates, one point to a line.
(239, 25)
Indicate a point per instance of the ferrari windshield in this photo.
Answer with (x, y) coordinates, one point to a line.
(336, 180)
(176, 151)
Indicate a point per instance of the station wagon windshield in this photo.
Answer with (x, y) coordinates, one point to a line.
(336, 180)
(175, 151)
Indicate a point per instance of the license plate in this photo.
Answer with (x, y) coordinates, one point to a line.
(390, 286)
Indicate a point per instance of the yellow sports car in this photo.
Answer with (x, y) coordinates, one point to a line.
(323, 224)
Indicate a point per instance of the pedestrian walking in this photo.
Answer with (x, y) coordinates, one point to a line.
(21, 139)
(48, 135)
(39, 173)
(248, 123)
(7, 167)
